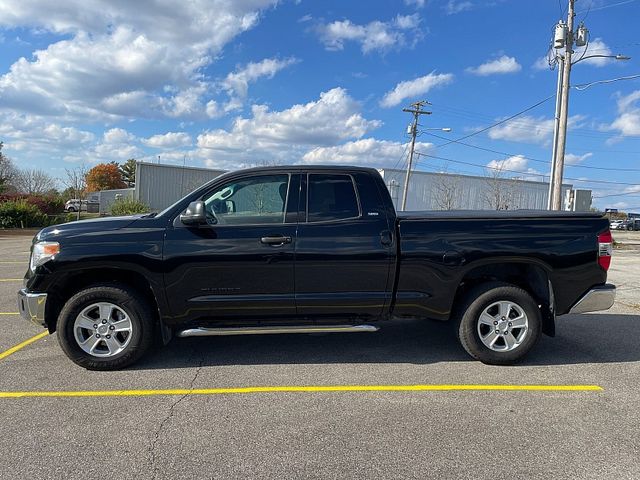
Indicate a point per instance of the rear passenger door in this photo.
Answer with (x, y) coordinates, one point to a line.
(343, 253)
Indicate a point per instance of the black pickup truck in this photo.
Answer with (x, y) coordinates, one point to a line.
(311, 249)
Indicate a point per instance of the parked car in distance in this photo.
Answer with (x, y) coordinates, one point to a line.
(305, 249)
(73, 205)
(616, 224)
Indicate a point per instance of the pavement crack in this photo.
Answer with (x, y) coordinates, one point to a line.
(152, 448)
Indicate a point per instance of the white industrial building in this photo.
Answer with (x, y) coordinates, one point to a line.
(445, 191)
(160, 185)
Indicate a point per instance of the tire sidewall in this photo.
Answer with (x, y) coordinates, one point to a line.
(124, 299)
(481, 299)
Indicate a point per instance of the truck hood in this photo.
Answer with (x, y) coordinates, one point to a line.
(97, 225)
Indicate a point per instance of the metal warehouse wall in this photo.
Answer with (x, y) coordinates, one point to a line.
(160, 185)
(107, 197)
(442, 191)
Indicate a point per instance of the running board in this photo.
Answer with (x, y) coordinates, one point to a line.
(208, 332)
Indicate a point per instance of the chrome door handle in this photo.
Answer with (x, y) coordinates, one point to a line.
(279, 240)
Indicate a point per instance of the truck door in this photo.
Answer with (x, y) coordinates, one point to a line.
(344, 248)
(240, 265)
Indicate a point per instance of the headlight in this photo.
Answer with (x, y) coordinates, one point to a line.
(42, 252)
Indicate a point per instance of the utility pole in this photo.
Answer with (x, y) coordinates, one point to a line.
(556, 125)
(417, 111)
(565, 37)
(556, 195)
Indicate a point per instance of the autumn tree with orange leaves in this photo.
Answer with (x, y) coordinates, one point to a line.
(104, 176)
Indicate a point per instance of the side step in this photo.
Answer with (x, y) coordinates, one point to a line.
(208, 332)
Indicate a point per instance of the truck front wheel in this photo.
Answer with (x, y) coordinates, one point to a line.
(498, 323)
(105, 327)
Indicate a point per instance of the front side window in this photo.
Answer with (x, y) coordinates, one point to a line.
(331, 197)
(254, 200)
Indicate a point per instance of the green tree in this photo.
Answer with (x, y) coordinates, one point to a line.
(128, 172)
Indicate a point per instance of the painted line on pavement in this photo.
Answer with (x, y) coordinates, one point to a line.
(20, 346)
(307, 389)
(10, 279)
(9, 313)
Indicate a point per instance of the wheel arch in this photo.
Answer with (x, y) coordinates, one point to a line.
(75, 281)
(533, 277)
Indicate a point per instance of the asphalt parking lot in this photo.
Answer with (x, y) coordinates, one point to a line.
(459, 434)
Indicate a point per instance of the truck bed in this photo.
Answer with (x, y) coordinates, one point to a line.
(489, 214)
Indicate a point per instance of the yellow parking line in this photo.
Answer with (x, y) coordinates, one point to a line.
(10, 279)
(20, 346)
(9, 313)
(292, 389)
(11, 263)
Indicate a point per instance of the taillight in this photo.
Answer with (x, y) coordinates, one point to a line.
(605, 249)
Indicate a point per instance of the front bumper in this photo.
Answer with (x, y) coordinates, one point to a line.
(32, 305)
(596, 299)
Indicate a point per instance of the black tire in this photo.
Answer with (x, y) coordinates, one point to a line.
(468, 318)
(71, 209)
(125, 298)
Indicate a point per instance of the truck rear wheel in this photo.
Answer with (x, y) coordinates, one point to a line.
(498, 323)
(105, 327)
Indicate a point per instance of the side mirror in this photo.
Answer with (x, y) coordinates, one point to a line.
(195, 214)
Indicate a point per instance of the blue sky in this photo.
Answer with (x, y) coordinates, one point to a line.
(246, 82)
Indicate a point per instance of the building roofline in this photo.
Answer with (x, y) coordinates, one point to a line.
(422, 172)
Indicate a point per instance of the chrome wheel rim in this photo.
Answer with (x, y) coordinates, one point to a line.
(103, 329)
(503, 326)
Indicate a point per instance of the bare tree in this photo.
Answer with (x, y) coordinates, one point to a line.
(447, 192)
(501, 193)
(7, 170)
(34, 182)
(76, 181)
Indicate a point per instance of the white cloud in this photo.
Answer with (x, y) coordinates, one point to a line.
(595, 47)
(237, 83)
(542, 63)
(374, 36)
(452, 6)
(530, 129)
(118, 60)
(286, 134)
(501, 65)
(414, 88)
(28, 136)
(515, 163)
(628, 121)
(169, 140)
(367, 151)
(573, 159)
(416, 3)
(117, 144)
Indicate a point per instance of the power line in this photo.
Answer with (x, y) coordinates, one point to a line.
(534, 159)
(584, 86)
(499, 122)
(633, 194)
(585, 180)
(608, 6)
(518, 124)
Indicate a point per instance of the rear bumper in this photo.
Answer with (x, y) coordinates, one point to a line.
(32, 305)
(596, 299)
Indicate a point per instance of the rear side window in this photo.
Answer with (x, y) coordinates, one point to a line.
(331, 197)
